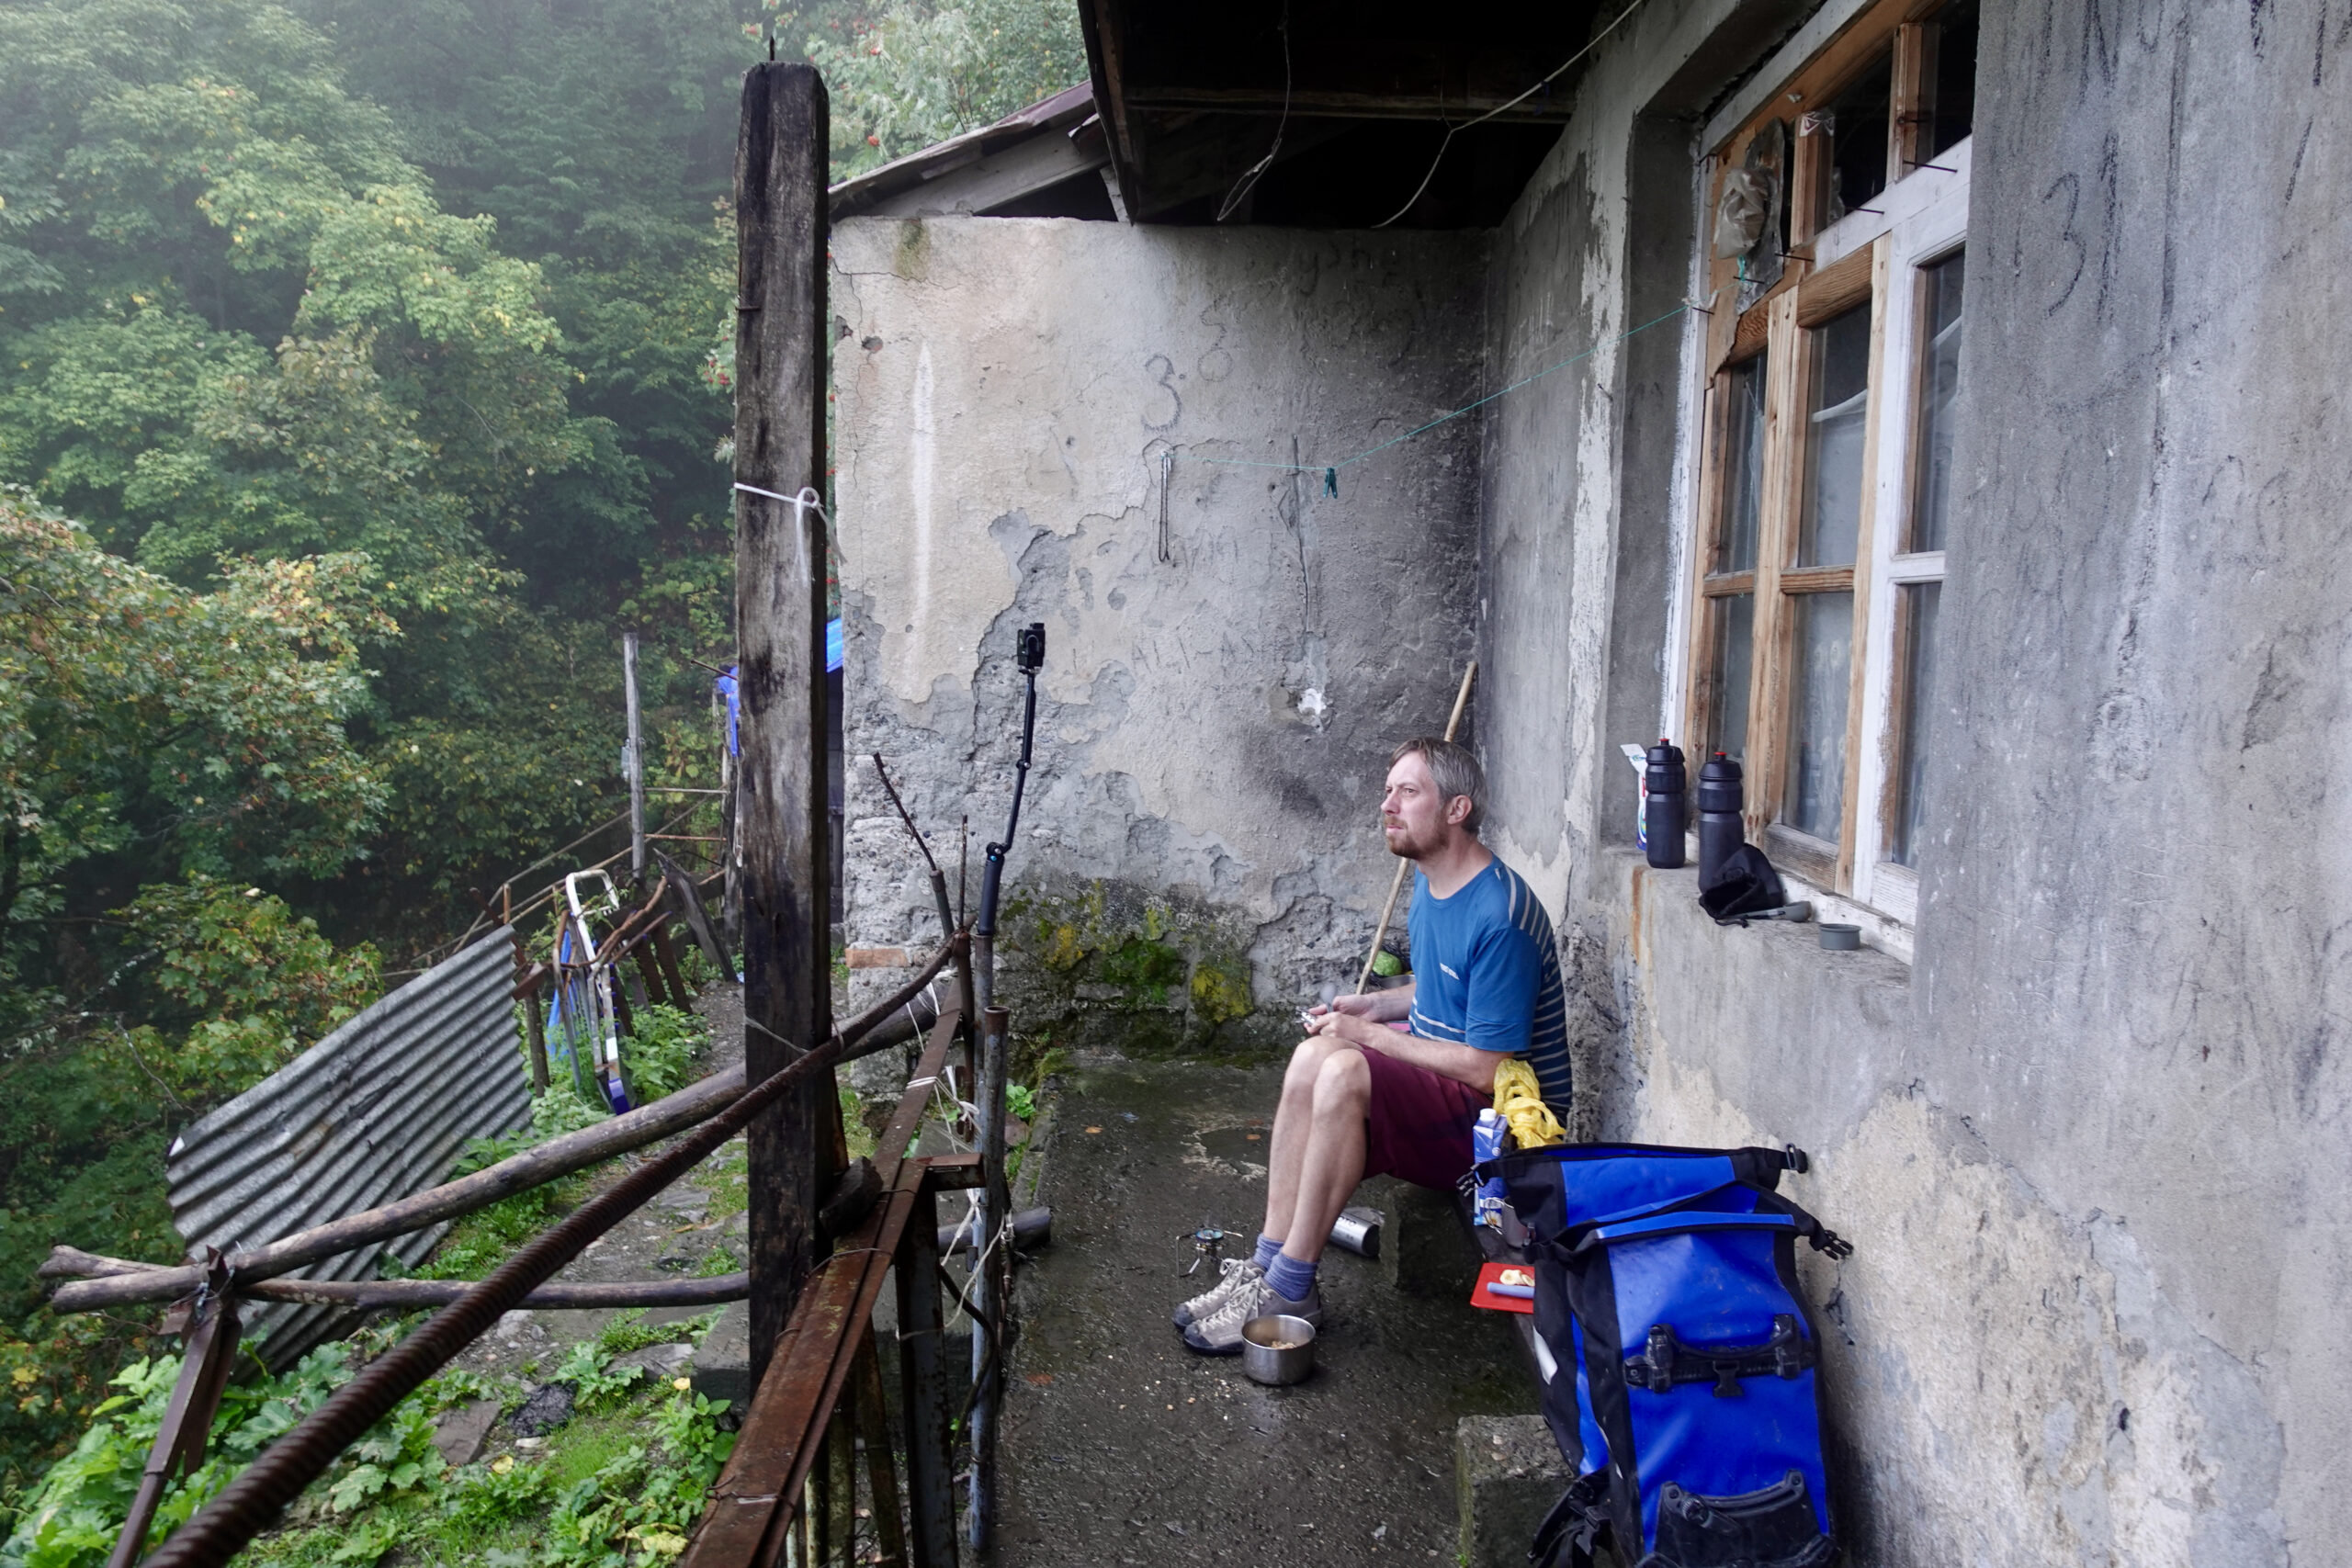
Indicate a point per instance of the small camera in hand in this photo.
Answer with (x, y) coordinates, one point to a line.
(1033, 646)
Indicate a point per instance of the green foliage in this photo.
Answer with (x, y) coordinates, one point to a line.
(914, 72)
(269, 982)
(167, 732)
(595, 1383)
(615, 1486)
(369, 358)
(396, 1456)
(482, 1240)
(73, 1517)
(1022, 1101)
(661, 1049)
(486, 1495)
(456, 330)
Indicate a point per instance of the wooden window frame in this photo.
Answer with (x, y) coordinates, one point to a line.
(1872, 256)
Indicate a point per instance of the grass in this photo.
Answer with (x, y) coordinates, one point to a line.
(622, 1483)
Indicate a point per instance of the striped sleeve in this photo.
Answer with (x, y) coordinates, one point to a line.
(1545, 1042)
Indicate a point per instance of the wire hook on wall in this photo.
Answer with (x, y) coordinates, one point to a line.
(1167, 473)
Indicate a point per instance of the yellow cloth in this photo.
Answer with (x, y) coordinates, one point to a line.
(1520, 1102)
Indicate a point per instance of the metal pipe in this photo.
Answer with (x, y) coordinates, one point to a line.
(636, 761)
(989, 1276)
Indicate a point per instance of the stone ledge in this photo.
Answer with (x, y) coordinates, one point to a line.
(1510, 1474)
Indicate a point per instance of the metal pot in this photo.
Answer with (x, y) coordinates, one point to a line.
(1264, 1362)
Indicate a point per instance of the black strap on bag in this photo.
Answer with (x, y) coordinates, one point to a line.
(1571, 1531)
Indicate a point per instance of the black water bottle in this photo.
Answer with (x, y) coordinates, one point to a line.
(1663, 815)
(1721, 798)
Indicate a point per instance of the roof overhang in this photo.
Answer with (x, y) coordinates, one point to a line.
(987, 171)
(1362, 92)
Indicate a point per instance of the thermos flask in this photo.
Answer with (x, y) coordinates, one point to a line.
(1721, 801)
(1663, 816)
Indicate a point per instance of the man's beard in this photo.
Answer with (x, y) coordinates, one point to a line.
(1402, 844)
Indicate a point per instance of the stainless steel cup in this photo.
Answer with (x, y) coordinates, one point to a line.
(1357, 1231)
(1264, 1362)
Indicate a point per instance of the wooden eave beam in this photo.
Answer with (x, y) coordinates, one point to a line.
(1104, 59)
(1338, 105)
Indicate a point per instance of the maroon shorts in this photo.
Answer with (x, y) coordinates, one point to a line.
(1418, 1125)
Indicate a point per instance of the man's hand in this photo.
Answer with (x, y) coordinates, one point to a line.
(1464, 1063)
(1376, 1007)
(1349, 1024)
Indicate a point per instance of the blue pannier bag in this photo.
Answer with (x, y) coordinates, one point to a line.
(1679, 1356)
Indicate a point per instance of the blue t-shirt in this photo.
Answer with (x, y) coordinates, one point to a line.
(1485, 973)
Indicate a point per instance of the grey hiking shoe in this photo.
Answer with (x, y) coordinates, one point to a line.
(1233, 1271)
(1219, 1334)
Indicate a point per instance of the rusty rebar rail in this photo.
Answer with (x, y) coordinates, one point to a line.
(756, 1501)
(254, 1499)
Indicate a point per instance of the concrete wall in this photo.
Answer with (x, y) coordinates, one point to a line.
(1198, 848)
(2091, 1146)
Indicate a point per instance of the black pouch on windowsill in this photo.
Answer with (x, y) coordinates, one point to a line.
(1746, 884)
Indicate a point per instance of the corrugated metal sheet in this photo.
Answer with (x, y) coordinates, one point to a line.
(378, 1109)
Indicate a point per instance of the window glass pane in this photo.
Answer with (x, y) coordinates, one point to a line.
(1734, 661)
(1955, 74)
(1857, 125)
(1815, 799)
(1938, 399)
(1840, 410)
(1742, 467)
(1918, 609)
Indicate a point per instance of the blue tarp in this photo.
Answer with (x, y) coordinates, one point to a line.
(726, 685)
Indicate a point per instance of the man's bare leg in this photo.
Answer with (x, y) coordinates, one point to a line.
(1294, 1124)
(1333, 1163)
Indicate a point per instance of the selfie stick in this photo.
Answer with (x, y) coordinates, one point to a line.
(990, 1273)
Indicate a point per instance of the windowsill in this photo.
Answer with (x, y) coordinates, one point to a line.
(1885, 933)
(1889, 934)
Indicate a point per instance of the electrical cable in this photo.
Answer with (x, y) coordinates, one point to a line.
(1590, 44)
(1249, 180)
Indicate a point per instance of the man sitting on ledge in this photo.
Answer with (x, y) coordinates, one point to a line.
(1392, 1082)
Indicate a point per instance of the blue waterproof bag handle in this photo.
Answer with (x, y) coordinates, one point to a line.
(1557, 1190)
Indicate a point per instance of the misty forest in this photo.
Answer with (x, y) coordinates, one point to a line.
(362, 378)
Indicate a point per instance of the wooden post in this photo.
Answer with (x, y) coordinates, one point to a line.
(535, 1022)
(680, 994)
(780, 165)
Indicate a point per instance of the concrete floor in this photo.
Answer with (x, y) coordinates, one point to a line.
(1122, 1447)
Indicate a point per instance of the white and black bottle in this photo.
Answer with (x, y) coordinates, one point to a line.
(1663, 816)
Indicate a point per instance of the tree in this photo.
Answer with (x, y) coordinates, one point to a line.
(919, 72)
(166, 732)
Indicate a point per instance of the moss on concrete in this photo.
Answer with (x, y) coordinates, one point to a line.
(1107, 963)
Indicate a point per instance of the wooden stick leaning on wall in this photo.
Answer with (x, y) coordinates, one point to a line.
(1396, 885)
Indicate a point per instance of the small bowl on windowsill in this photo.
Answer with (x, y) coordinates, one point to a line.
(1836, 937)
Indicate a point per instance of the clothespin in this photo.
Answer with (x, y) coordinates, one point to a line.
(1331, 482)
